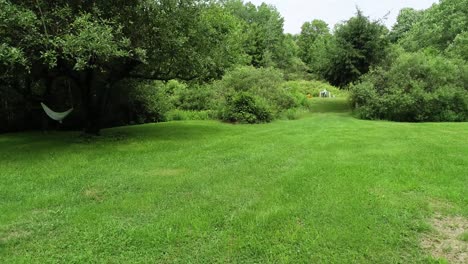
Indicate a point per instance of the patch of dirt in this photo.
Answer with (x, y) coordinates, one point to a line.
(446, 241)
(93, 194)
(13, 235)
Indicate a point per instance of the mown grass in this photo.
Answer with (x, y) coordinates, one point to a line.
(329, 105)
(327, 188)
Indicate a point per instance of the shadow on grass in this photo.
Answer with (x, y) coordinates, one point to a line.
(330, 105)
(180, 130)
(56, 140)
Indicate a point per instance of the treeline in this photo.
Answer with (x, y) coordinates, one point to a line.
(123, 62)
(77, 53)
(424, 77)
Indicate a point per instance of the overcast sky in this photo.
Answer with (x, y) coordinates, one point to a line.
(296, 12)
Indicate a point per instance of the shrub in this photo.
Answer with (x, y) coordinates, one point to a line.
(173, 90)
(243, 107)
(197, 98)
(193, 97)
(264, 84)
(147, 102)
(182, 115)
(458, 47)
(297, 70)
(417, 87)
(249, 78)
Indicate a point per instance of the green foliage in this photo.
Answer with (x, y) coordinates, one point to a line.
(313, 88)
(458, 49)
(89, 42)
(244, 107)
(15, 62)
(196, 97)
(147, 103)
(182, 115)
(313, 43)
(263, 80)
(10, 56)
(17, 25)
(189, 40)
(220, 38)
(264, 40)
(357, 45)
(417, 87)
(97, 45)
(405, 22)
(264, 83)
(438, 27)
(298, 70)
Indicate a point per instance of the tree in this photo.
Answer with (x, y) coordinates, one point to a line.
(311, 33)
(357, 45)
(314, 43)
(95, 46)
(17, 25)
(416, 87)
(458, 49)
(438, 26)
(405, 22)
(265, 42)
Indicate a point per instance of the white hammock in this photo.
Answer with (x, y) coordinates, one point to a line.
(56, 115)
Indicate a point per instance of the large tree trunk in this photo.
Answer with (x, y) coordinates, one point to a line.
(91, 111)
(95, 101)
(95, 87)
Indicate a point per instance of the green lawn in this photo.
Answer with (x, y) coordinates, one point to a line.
(327, 188)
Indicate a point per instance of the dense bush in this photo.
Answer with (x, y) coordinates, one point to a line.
(438, 26)
(265, 84)
(297, 70)
(174, 89)
(182, 115)
(147, 102)
(190, 97)
(244, 95)
(244, 107)
(357, 45)
(196, 98)
(157, 101)
(458, 49)
(416, 87)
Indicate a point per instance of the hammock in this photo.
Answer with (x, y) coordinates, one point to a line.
(56, 115)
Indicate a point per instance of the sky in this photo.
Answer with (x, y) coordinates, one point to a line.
(296, 12)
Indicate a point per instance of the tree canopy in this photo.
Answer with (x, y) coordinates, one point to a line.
(96, 45)
(81, 53)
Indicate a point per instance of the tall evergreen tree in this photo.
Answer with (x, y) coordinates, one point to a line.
(357, 44)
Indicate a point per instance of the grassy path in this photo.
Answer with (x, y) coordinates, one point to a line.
(327, 188)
